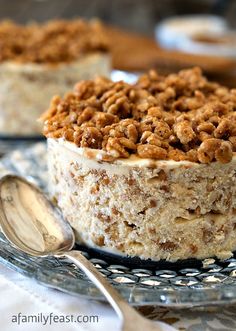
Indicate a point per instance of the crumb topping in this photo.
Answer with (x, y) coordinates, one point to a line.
(52, 42)
(181, 116)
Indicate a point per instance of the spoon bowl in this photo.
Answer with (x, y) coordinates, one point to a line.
(29, 221)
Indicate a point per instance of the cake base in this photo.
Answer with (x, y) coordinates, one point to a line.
(136, 262)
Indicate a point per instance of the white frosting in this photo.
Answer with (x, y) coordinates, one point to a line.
(132, 161)
(69, 152)
(90, 156)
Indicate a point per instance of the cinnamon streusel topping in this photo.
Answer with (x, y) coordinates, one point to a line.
(52, 42)
(181, 116)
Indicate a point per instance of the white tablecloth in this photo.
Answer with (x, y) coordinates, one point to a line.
(21, 295)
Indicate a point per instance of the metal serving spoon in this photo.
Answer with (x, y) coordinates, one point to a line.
(30, 222)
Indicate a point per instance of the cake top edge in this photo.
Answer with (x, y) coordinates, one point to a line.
(52, 42)
(179, 117)
(133, 160)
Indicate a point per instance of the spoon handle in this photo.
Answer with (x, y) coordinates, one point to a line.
(113, 297)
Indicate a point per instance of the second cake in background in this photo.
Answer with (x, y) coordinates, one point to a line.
(38, 61)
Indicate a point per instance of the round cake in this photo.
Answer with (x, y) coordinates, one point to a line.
(148, 169)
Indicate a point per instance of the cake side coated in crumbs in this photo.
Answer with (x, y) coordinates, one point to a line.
(178, 117)
(168, 210)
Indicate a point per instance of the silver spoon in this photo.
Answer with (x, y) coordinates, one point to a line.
(33, 225)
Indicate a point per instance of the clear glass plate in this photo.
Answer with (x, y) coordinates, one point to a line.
(183, 284)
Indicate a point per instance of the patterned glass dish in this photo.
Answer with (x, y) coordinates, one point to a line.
(183, 284)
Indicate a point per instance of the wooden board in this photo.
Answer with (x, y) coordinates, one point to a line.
(134, 52)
